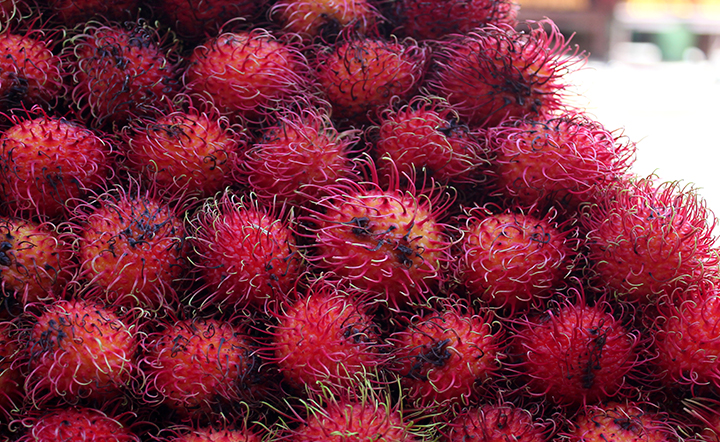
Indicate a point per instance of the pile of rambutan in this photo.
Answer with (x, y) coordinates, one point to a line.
(335, 220)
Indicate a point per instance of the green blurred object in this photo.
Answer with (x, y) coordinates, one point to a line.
(674, 40)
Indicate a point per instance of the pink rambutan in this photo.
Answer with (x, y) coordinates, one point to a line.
(77, 424)
(11, 377)
(196, 367)
(562, 159)
(495, 423)
(325, 18)
(29, 71)
(325, 339)
(193, 20)
(245, 253)
(49, 164)
(426, 138)
(512, 260)
(35, 260)
(434, 19)
(574, 353)
(185, 153)
(496, 72)
(245, 73)
(297, 157)
(447, 357)
(131, 247)
(360, 75)
(647, 239)
(390, 243)
(75, 350)
(120, 72)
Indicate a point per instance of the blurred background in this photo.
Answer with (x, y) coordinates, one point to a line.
(654, 71)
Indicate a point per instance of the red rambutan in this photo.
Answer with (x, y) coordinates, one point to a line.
(326, 18)
(11, 377)
(77, 424)
(193, 20)
(495, 423)
(496, 72)
(72, 12)
(216, 435)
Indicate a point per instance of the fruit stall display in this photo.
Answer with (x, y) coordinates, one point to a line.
(320, 220)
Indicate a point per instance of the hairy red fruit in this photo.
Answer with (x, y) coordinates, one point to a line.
(77, 424)
(325, 339)
(562, 159)
(434, 19)
(426, 139)
(496, 72)
(49, 164)
(495, 423)
(196, 366)
(448, 357)
(361, 75)
(120, 72)
(513, 260)
(29, 71)
(325, 18)
(11, 377)
(389, 243)
(72, 12)
(184, 153)
(647, 239)
(77, 350)
(35, 260)
(131, 247)
(245, 73)
(621, 422)
(245, 253)
(217, 435)
(193, 20)
(574, 354)
(297, 157)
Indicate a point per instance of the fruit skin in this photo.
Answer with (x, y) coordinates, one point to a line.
(49, 164)
(325, 340)
(196, 366)
(574, 354)
(193, 20)
(188, 154)
(447, 357)
(562, 160)
(647, 239)
(29, 71)
(11, 377)
(434, 19)
(625, 421)
(360, 75)
(35, 260)
(495, 72)
(131, 246)
(324, 18)
(120, 72)
(495, 423)
(74, 350)
(245, 253)
(245, 73)
(77, 424)
(513, 260)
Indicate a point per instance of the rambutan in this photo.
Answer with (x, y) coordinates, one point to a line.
(390, 243)
(49, 164)
(496, 72)
(35, 260)
(73, 12)
(513, 260)
(131, 246)
(360, 75)
(193, 20)
(185, 153)
(574, 353)
(495, 423)
(245, 73)
(120, 72)
(75, 350)
(434, 19)
(647, 239)
(29, 71)
(447, 357)
(426, 138)
(11, 377)
(216, 435)
(77, 424)
(245, 253)
(196, 367)
(325, 339)
(325, 18)
(297, 157)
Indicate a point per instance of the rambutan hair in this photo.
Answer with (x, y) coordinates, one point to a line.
(496, 72)
(77, 423)
(326, 19)
(12, 390)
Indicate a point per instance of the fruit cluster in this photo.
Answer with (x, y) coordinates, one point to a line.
(335, 220)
